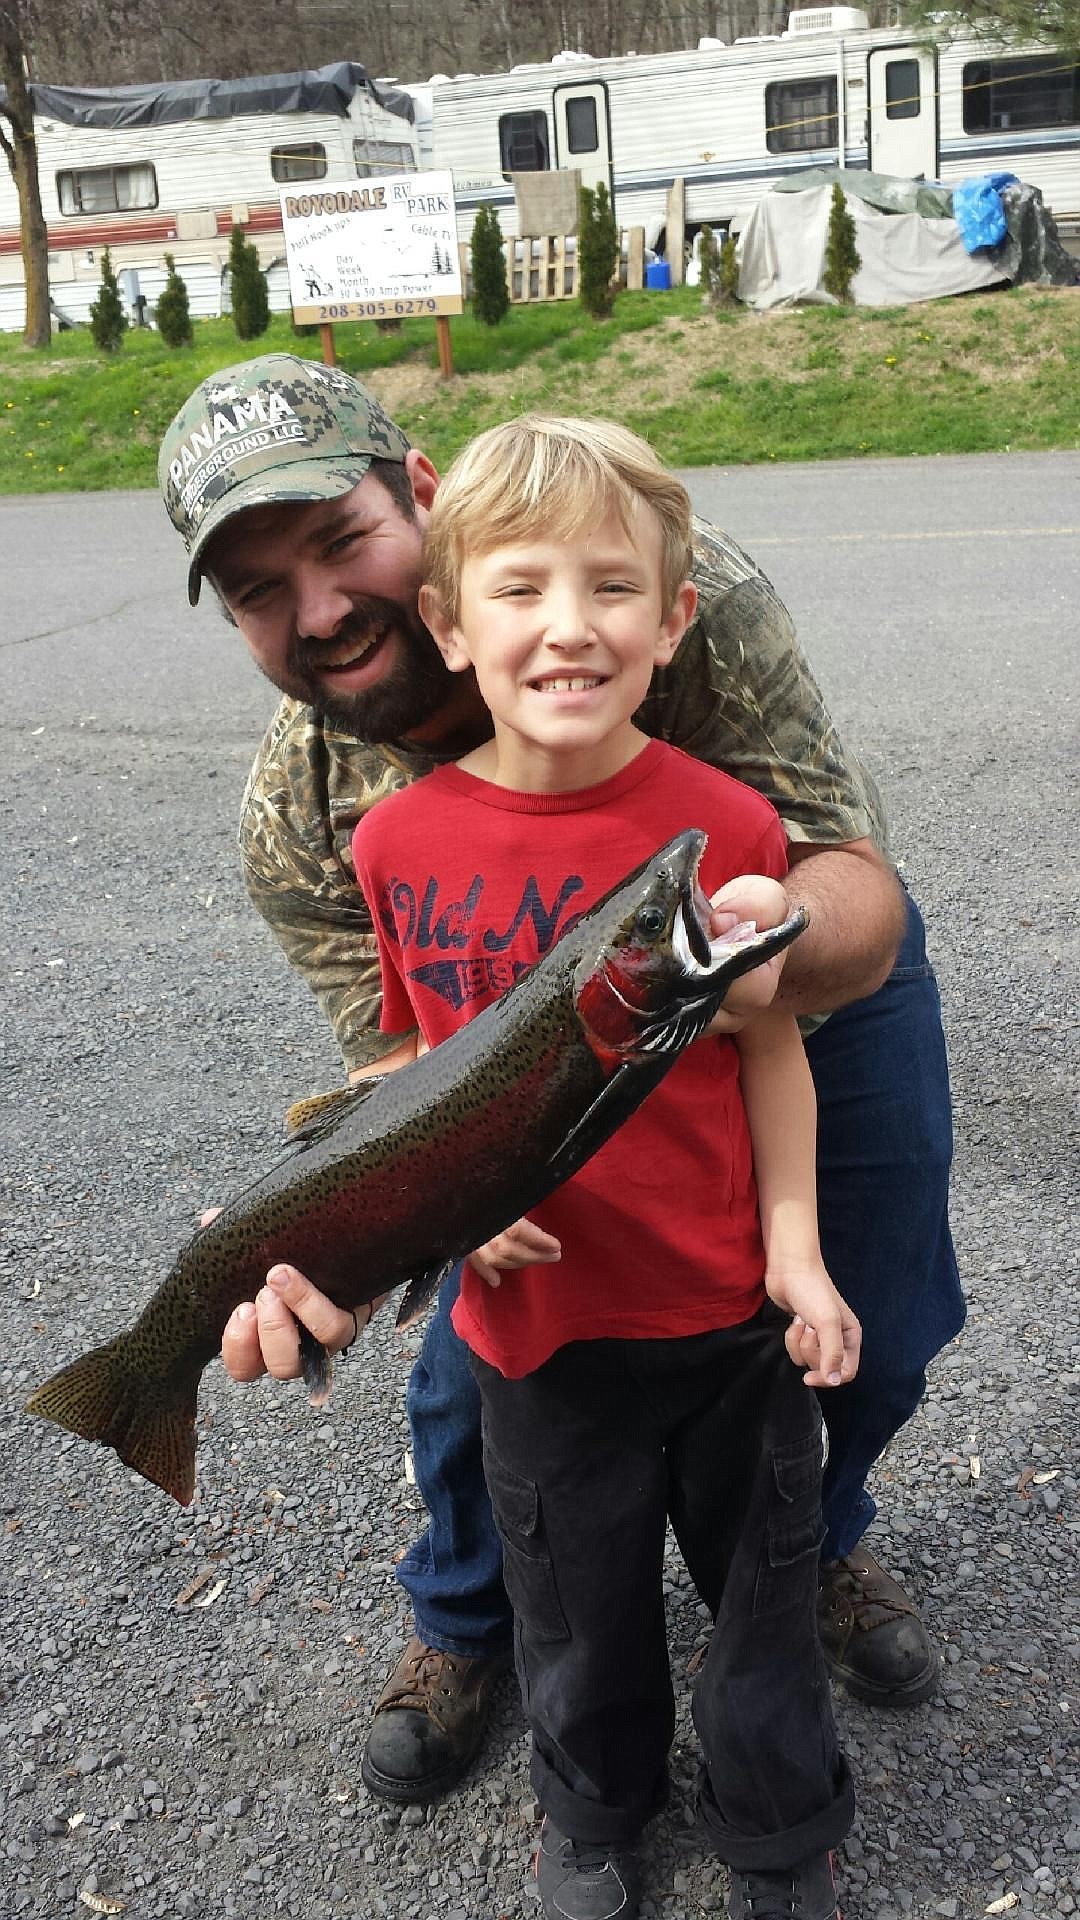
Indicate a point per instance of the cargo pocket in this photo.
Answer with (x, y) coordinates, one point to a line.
(794, 1528)
(527, 1570)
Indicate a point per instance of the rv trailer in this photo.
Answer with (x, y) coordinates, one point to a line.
(730, 121)
(146, 170)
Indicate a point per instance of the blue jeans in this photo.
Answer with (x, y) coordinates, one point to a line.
(884, 1151)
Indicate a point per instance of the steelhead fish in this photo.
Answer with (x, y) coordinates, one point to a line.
(408, 1172)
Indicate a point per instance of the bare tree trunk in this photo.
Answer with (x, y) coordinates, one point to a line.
(20, 150)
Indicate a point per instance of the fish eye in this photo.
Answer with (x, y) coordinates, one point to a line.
(651, 920)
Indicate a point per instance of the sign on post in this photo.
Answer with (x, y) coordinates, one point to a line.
(378, 249)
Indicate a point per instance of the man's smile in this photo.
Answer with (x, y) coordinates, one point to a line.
(350, 653)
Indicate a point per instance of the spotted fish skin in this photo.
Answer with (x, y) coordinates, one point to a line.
(414, 1170)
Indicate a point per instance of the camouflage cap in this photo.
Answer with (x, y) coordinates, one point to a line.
(276, 428)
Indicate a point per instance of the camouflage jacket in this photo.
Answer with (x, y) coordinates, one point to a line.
(739, 694)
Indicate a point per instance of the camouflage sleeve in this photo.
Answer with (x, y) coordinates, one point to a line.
(298, 874)
(331, 943)
(740, 695)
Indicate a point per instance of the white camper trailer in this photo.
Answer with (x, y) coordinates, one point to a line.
(732, 120)
(146, 170)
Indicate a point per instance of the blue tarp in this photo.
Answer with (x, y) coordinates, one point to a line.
(977, 209)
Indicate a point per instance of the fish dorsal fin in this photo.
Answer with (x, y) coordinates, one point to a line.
(313, 1118)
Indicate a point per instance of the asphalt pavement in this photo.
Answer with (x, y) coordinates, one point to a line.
(184, 1693)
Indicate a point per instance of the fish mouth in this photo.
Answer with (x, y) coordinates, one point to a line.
(701, 957)
(690, 933)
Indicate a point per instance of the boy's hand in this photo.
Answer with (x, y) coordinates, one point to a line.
(750, 896)
(824, 1335)
(261, 1335)
(522, 1245)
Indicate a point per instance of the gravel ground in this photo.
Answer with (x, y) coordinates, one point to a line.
(184, 1693)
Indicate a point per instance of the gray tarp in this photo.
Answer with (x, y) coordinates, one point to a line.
(317, 90)
(904, 256)
(1031, 251)
(890, 191)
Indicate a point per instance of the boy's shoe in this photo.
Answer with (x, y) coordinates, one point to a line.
(805, 1892)
(872, 1638)
(429, 1722)
(582, 1882)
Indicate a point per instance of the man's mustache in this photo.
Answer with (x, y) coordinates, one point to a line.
(364, 619)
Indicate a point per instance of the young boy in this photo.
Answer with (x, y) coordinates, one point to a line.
(634, 1366)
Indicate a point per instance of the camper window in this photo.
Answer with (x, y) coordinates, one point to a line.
(106, 189)
(382, 156)
(902, 90)
(800, 115)
(298, 163)
(523, 142)
(1041, 91)
(582, 133)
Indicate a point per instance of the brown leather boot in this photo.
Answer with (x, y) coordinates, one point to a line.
(429, 1722)
(871, 1635)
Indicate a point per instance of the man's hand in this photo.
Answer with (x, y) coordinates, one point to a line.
(824, 1335)
(750, 896)
(522, 1245)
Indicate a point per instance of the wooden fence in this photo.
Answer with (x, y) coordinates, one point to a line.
(547, 268)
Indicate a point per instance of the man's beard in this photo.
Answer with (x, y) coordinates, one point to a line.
(414, 690)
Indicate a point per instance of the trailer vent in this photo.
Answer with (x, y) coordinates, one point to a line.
(826, 20)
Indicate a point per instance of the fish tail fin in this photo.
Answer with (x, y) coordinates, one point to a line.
(104, 1397)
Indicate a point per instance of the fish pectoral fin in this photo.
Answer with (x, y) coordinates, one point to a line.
(315, 1117)
(580, 1141)
(420, 1291)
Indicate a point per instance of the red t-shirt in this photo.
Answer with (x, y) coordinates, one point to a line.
(469, 884)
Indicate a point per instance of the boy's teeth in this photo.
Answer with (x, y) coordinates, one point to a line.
(577, 685)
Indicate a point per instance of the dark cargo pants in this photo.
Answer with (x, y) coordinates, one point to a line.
(585, 1460)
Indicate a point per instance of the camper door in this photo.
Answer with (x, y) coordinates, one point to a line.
(903, 99)
(583, 132)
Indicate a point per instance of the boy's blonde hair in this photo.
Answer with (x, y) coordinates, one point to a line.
(553, 476)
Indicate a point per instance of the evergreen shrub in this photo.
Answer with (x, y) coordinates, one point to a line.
(842, 259)
(250, 300)
(107, 316)
(598, 251)
(708, 264)
(172, 314)
(490, 293)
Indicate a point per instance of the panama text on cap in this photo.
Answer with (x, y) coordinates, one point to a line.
(274, 429)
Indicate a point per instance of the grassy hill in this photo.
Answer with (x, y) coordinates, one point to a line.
(977, 374)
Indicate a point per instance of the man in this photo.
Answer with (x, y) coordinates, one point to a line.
(305, 506)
